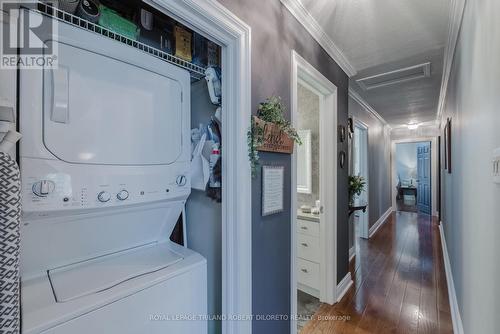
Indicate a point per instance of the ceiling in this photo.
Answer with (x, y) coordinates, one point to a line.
(379, 36)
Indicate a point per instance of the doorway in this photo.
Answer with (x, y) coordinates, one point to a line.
(218, 24)
(413, 177)
(360, 168)
(313, 209)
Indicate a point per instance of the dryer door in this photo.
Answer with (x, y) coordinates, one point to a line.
(101, 110)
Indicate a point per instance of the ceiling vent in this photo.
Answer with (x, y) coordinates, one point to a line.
(395, 77)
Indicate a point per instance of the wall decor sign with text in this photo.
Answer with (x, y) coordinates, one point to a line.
(273, 187)
(274, 139)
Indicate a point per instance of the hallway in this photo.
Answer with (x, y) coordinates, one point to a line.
(399, 283)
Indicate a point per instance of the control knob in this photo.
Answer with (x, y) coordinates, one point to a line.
(43, 188)
(181, 180)
(122, 195)
(103, 196)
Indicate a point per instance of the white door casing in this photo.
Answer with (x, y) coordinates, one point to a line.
(362, 145)
(304, 72)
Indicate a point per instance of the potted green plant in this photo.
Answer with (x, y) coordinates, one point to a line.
(270, 131)
(356, 187)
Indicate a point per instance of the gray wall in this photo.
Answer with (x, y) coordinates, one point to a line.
(204, 216)
(379, 162)
(470, 215)
(275, 32)
(308, 119)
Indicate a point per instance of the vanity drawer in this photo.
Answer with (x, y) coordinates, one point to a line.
(308, 247)
(308, 227)
(308, 273)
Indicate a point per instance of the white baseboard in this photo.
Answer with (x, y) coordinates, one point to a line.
(380, 222)
(455, 311)
(352, 253)
(344, 286)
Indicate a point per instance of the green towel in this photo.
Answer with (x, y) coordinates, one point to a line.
(111, 20)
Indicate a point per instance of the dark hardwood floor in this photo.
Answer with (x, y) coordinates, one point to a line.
(399, 283)
(401, 206)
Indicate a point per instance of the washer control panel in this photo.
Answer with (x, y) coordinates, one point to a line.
(50, 185)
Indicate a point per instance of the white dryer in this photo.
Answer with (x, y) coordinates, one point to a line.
(105, 160)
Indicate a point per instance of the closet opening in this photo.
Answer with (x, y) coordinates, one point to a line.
(212, 45)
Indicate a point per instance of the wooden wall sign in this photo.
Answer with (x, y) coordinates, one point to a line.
(274, 140)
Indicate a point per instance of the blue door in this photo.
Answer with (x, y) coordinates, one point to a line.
(424, 177)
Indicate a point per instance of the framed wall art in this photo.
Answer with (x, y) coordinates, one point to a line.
(273, 183)
(447, 146)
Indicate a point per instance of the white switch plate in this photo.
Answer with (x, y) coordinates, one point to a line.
(496, 166)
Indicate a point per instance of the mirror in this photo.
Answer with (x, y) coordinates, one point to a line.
(304, 164)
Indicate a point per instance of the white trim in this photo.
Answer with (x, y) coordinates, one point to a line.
(455, 22)
(364, 230)
(312, 26)
(352, 252)
(303, 71)
(455, 311)
(219, 24)
(344, 286)
(356, 97)
(381, 221)
(434, 169)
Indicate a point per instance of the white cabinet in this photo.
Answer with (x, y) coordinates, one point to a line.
(308, 274)
(308, 247)
(308, 256)
(307, 227)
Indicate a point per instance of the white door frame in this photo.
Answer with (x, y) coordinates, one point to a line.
(434, 169)
(303, 71)
(365, 228)
(219, 24)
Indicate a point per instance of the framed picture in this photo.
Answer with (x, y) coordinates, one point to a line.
(445, 150)
(447, 146)
(342, 133)
(273, 187)
(342, 158)
(350, 126)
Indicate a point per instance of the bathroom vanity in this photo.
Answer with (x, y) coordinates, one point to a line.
(308, 253)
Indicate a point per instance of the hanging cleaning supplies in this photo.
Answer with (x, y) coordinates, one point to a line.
(214, 157)
(213, 78)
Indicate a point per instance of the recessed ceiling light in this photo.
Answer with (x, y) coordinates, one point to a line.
(413, 126)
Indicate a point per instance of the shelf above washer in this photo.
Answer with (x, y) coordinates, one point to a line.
(197, 72)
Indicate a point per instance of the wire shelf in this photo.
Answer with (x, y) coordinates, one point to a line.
(197, 72)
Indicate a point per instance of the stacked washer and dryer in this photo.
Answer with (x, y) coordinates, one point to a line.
(105, 159)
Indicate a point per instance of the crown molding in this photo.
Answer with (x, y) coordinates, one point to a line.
(305, 18)
(362, 102)
(455, 22)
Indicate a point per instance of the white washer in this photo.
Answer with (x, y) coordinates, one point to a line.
(105, 160)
